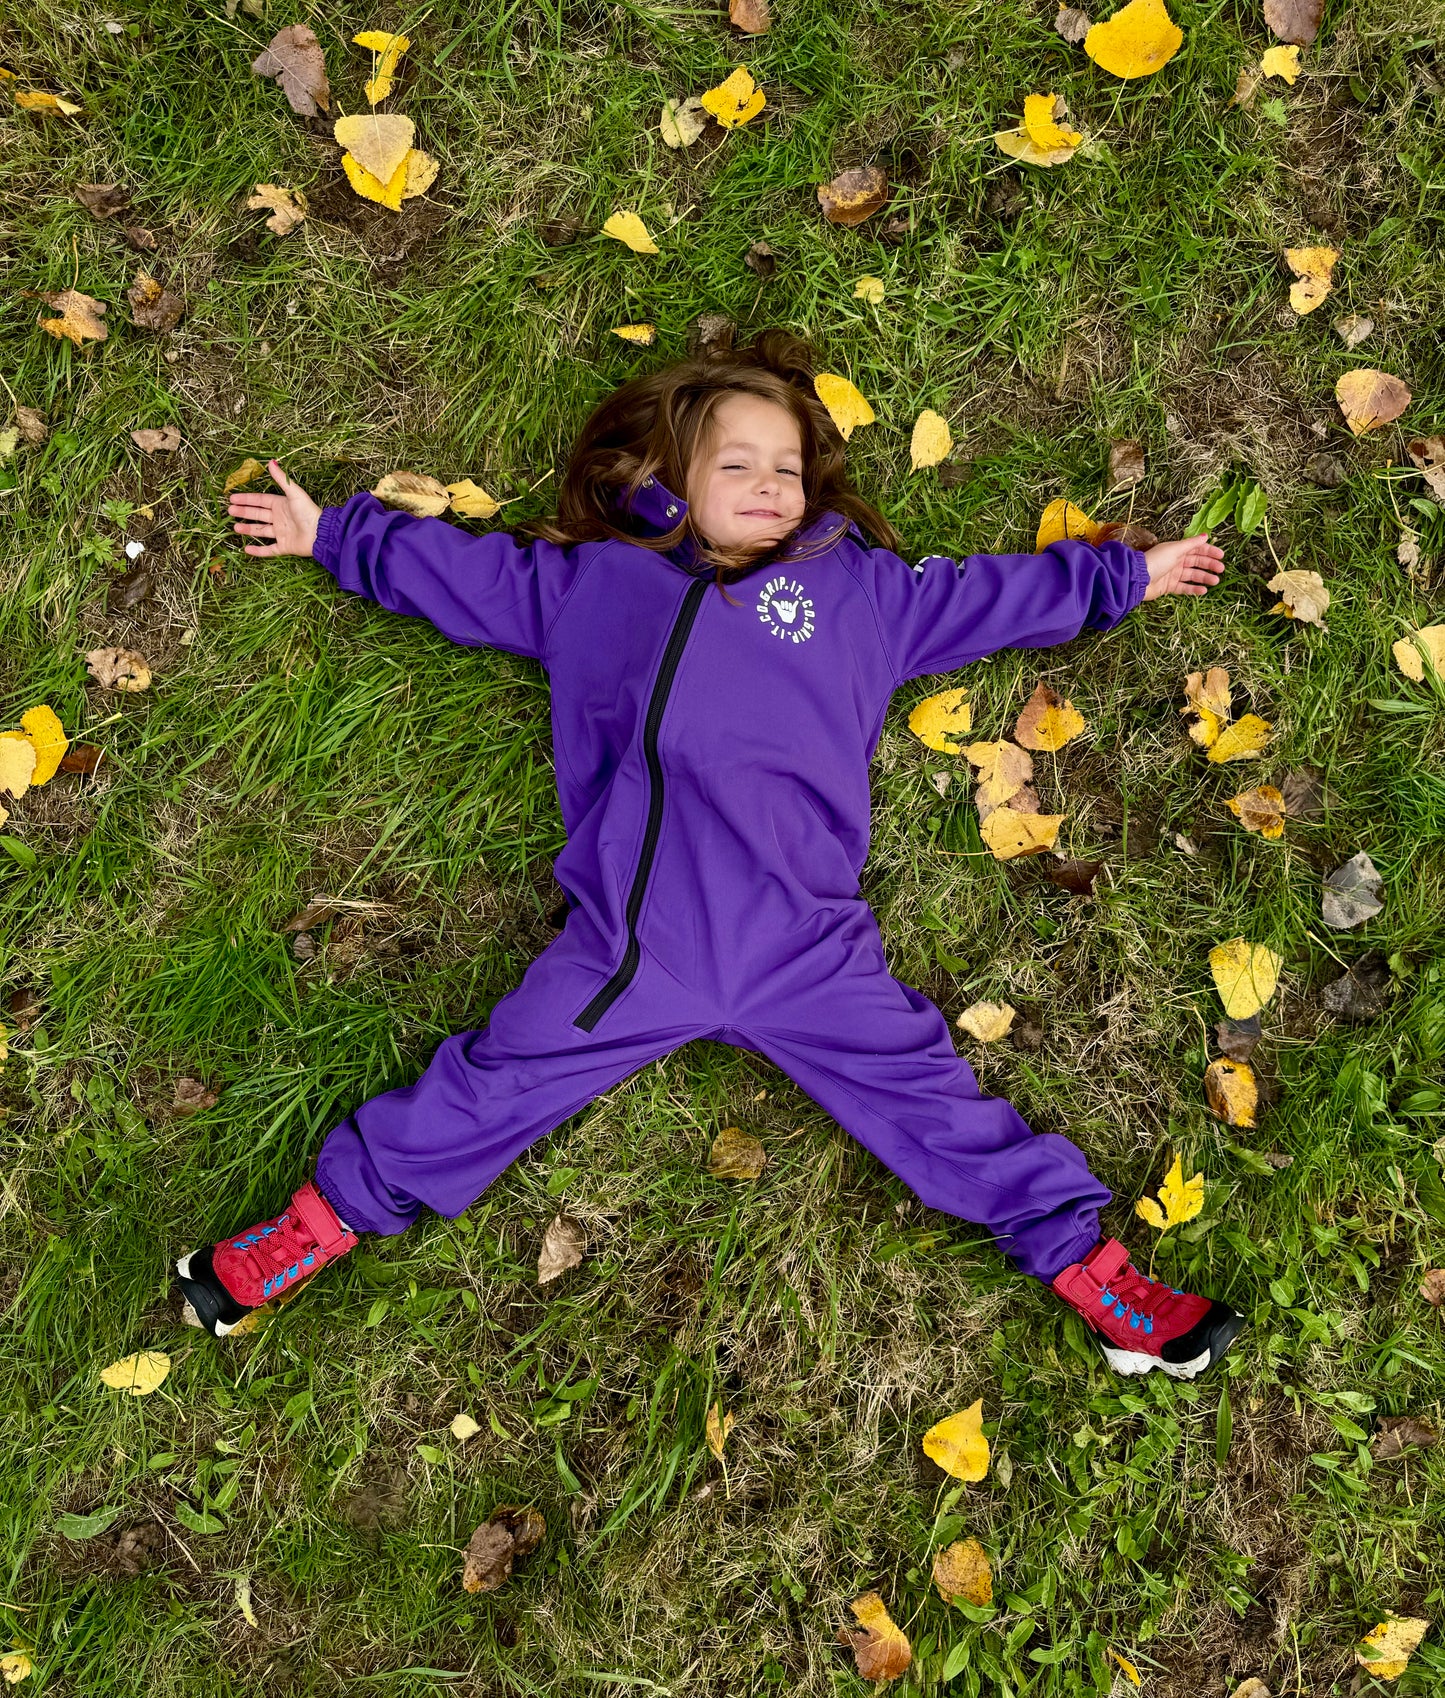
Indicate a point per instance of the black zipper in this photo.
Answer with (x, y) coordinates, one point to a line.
(666, 672)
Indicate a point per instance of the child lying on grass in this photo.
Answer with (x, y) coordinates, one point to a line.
(712, 768)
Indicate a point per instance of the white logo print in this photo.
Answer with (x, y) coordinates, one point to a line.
(785, 610)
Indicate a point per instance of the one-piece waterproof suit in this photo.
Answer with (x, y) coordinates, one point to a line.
(712, 769)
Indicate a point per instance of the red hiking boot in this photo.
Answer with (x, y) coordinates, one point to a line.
(225, 1282)
(1142, 1323)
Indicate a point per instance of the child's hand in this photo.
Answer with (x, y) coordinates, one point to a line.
(291, 518)
(1187, 567)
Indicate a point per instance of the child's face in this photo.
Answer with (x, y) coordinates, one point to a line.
(745, 483)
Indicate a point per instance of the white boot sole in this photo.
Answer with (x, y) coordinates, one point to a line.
(1136, 1362)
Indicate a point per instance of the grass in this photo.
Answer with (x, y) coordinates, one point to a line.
(298, 743)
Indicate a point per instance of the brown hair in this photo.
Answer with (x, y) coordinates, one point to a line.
(652, 426)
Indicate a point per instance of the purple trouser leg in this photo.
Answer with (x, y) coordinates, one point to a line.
(874, 1053)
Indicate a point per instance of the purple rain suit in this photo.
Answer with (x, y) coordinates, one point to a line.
(712, 770)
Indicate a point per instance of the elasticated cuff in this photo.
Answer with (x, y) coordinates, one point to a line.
(327, 547)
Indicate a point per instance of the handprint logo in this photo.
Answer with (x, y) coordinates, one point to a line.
(786, 610)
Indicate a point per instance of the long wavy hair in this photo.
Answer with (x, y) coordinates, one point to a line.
(652, 427)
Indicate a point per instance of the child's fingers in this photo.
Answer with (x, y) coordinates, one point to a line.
(274, 467)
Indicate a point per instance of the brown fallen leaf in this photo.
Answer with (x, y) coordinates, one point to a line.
(414, 492)
(1072, 24)
(963, 1571)
(562, 1247)
(1294, 20)
(1302, 596)
(1126, 464)
(119, 669)
(1261, 810)
(286, 206)
(1352, 329)
(157, 441)
(752, 17)
(1432, 1287)
(141, 240)
(1077, 877)
(854, 195)
(511, 1531)
(1047, 721)
(81, 757)
(191, 1098)
(761, 259)
(1232, 1092)
(294, 58)
(1395, 1434)
(1246, 86)
(129, 590)
(79, 316)
(314, 914)
(30, 422)
(1361, 992)
(153, 307)
(1303, 794)
(1251, 1688)
(1370, 398)
(882, 1649)
(1428, 456)
(1238, 1038)
(735, 1155)
(103, 200)
(1002, 769)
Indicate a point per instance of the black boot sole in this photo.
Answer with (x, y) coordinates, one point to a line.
(213, 1306)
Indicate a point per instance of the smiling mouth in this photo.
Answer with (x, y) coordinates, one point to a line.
(760, 513)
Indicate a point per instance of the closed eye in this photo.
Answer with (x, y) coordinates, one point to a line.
(787, 471)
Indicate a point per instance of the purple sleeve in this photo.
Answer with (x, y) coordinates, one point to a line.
(491, 590)
(944, 613)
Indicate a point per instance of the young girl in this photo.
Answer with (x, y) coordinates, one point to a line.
(712, 756)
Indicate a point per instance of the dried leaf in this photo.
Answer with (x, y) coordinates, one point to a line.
(1360, 993)
(1238, 1038)
(471, 501)
(736, 100)
(1303, 596)
(846, 406)
(1061, 520)
(854, 195)
(103, 200)
(987, 1021)
(1181, 1198)
(957, 1443)
(1207, 699)
(1294, 20)
(1261, 810)
(1131, 1674)
(163, 441)
(1242, 741)
(82, 757)
(1140, 39)
(718, 1429)
(79, 318)
(139, 1374)
(390, 48)
(962, 1571)
(1246, 86)
(1428, 642)
(378, 141)
(312, 915)
(628, 228)
(1002, 770)
(192, 1097)
(1352, 329)
(1428, 456)
(1432, 1287)
(1245, 975)
(1041, 139)
(761, 259)
(682, 122)
(31, 425)
(1352, 894)
(16, 1666)
(1251, 1688)
(42, 729)
(1370, 398)
(1126, 464)
(752, 17)
(939, 721)
(1283, 63)
(1303, 798)
(295, 59)
(1009, 834)
(1072, 24)
(1232, 1092)
(1047, 722)
(870, 289)
(562, 1247)
(645, 334)
(735, 1155)
(1312, 266)
(414, 492)
(932, 439)
(1395, 1434)
(882, 1649)
(247, 472)
(119, 669)
(1077, 877)
(17, 763)
(462, 1427)
(287, 207)
(152, 306)
(1386, 1650)
(46, 104)
(511, 1531)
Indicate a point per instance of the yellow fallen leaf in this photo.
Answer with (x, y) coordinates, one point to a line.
(139, 1374)
(939, 721)
(472, 501)
(629, 229)
(683, 121)
(390, 47)
(414, 176)
(845, 404)
(987, 1021)
(870, 289)
(1281, 62)
(1047, 721)
(1009, 834)
(38, 100)
(735, 100)
(1232, 1092)
(17, 763)
(119, 669)
(736, 1155)
(1312, 267)
(718, 1429)
(1429, 641)
(1002, 770)
(646, 334)
(1182, 1199)
(1019, 144)
(882, 1650)
(962, 1571)
(957, 1443)
(1140, 39)
(377, 141)
(247, 472)
(463, 1427)
(932, 439)
(16, 1666)
(1302, 596)
(414, 492)
(1242, 741)
(80, 317)
(47, 737)
(1207, 694)
(1042, 113)
(1386, 1650)
(1060, 520)
(1131, 1674)
(1260, 809)
(421, 173)
(1370, 398)
(1245, 975)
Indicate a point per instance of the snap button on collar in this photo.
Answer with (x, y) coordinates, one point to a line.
(672, 510)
